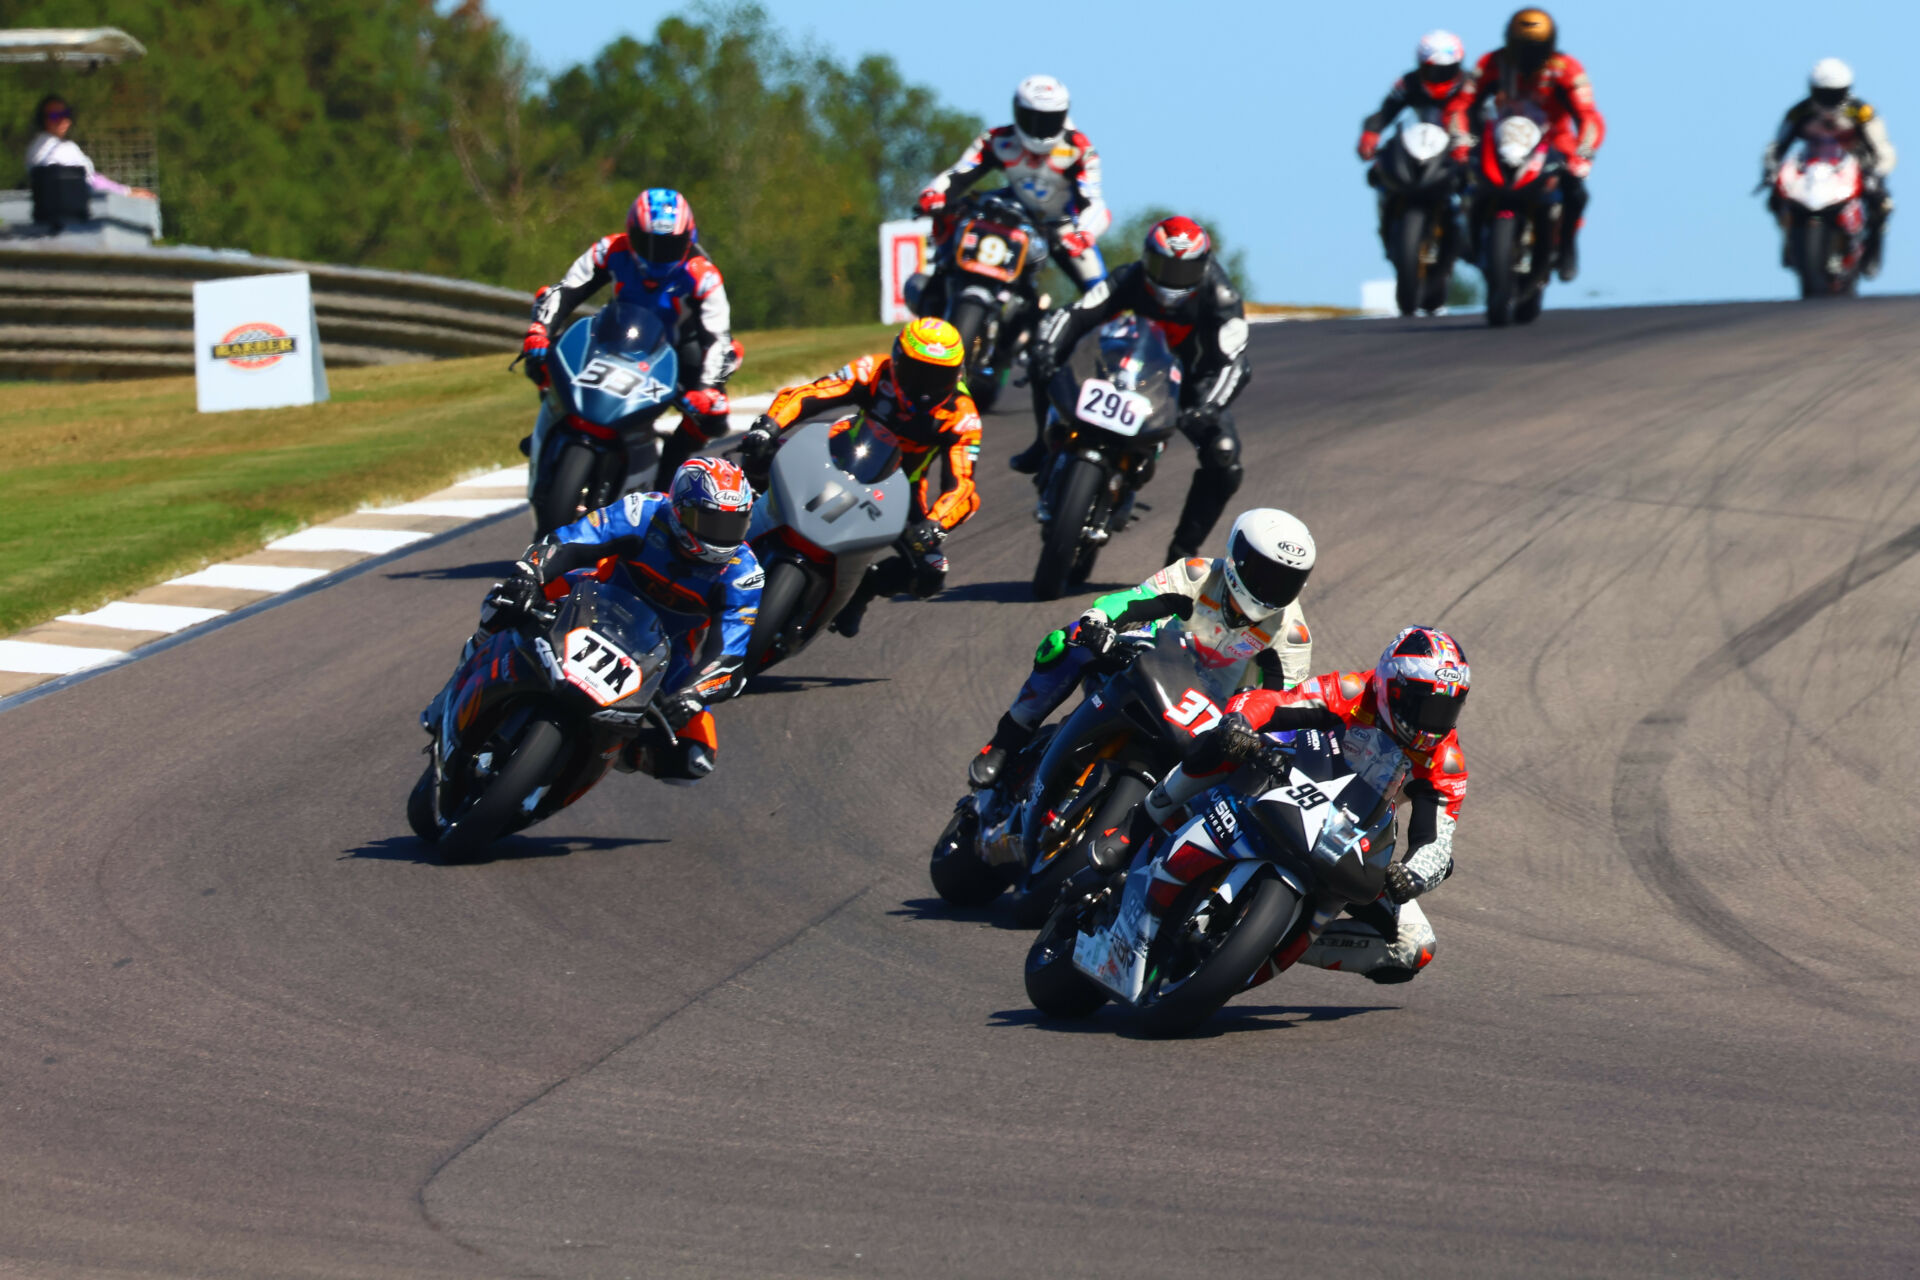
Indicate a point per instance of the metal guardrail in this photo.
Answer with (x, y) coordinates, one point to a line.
(68, 312)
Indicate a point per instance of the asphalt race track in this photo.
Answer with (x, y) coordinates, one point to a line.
(246, 1030)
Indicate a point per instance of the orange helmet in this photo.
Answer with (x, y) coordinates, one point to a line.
(1532, 38)
(928, 359)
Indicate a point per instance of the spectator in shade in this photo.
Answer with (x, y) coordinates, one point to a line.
(54, 120)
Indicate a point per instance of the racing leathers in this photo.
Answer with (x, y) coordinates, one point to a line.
(1559, 96)
(938, 448)
(1860, 130)
(1411, 93)
(1389, 939)
(1207, 331)
(1061, 189)
(631, 544)
(691, 300)
(1276, 651)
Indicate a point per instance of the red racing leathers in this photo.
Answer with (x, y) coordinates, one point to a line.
(1558, 94)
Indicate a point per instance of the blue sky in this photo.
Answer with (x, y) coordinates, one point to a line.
(1247, 112)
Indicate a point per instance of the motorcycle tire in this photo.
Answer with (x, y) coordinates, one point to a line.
(420, 815)
(1054, 986)
(1409, 234)
(566, 496)
(1060, 547)
(535, 759)
(1502, 240)
(1270, 910)
(1433, 295)
(958, 875)
(1815, 282)
(970, 318)
(785, 587)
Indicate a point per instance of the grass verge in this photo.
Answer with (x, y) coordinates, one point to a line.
(108, 487)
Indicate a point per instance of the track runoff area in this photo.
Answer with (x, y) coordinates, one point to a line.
(249, 1028)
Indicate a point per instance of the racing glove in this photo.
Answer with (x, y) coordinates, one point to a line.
(1076, 243)
(761, 442)
(1369, 144)
(704, 401)
(1096, 632)
(931, 201)
(681, 707)
(923, 539)
(1403, 885)
(511, 599)
(533, 349)
(1232, 741)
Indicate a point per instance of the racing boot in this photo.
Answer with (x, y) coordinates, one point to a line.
(1113, 849)
(1009, 736)
(1030, 459)
(1570, 255)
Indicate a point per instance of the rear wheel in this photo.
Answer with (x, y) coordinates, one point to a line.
(1055, 987)
(531, 761)
(566, 498)
(785, 587)
(1209, 949)
(1815, 282)
(1408, 235)
(1502, 240)
(958, 875)
(1060, 548)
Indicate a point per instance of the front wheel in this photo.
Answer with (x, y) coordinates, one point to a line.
(531, 762)
(1502, 240)
(1060, 548)
(1815, 281)
(1408, 236)
(1054, 986)
(970, 316)
(958, 875)
(785, 588)
(1208, 952)
(566, 498)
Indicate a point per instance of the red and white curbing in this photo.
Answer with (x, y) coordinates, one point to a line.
(116, 632)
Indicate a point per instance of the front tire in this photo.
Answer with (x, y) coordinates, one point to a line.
(1060, 549)
(1815, 282)
(1502, 239)
(958, 875)
(1054, 986)
(785, 588)
(534, 760)
(566, 498)
(1223, 971)
(1409, 235)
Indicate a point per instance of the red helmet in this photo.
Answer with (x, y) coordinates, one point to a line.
(1175, 258)
(1420, 686)
(709, 506)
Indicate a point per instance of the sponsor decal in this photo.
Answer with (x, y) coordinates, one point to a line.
(1292, 550)
(753, 581)
(254, 345)
(1222, 825)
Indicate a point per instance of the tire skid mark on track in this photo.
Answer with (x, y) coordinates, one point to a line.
(1641, 808)
(480, 1135)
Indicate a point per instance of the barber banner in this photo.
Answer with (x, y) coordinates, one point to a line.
(255, 343)
(903, 251)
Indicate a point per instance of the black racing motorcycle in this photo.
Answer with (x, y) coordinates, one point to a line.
(1141, 705)
(1110, 414)
(1417, 181)
(984, 282)
(536, 715)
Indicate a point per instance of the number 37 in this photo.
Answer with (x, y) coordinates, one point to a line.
(1195, 712)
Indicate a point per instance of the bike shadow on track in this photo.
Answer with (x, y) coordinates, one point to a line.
(1020, 592)
(492, 570)
(1230, 1020)
(997, 913)
(804, 684)
(512, 849)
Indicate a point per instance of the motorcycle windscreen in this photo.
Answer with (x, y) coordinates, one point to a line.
(1192, 696)
(609, 644)
(838, 487)
(1135, 357)
(617, 364)
(1335, 808)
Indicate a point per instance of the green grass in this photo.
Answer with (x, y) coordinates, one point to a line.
(112, 486)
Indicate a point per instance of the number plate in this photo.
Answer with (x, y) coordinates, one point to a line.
(999, 253)
(616, 380)
(1195, 712)
(598, 666)
(1106, 406)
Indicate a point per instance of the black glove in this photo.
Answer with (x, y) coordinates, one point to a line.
(1232, 741)
(1096, 634)
(681, 707)
(1041, 363)
(1198, 420)
(1402, 884)
(512, 598)
(759, 444)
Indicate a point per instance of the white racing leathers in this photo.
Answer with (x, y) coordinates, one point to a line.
(1061, 188)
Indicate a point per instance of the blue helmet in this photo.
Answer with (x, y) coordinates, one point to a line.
(660, 231)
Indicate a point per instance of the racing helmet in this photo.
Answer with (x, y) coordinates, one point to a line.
(1175, 258)
(1830, 83)
(1440, 55)
(660, 231)
(1269, 555)
(709, 506)
(1040, 113)
(928, 359)
(1419, 687)
(1532, 38)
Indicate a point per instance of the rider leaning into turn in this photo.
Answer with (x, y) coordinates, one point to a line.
(656, 261)
(912, 399)
(1180, 286)
(685, 553)
(1830, 112)
(1243, 607)
(1049, 165)
(1415, 694)
(1438, 78)
(1532, 76)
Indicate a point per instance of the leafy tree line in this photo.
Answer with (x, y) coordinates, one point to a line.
(387, 133)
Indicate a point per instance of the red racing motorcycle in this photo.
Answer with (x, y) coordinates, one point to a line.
(1517, 211)
(1818, 196)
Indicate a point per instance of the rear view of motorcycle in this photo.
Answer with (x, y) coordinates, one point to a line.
(1112, 411)
(984, 284)
(1516, 218)
(1417, 180)
(535, 717)
(609, 378)
(1818, 198)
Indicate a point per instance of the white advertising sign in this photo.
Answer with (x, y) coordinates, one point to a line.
(903, 251)
(255, 343)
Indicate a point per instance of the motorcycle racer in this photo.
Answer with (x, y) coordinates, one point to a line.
(1415, 693)
(1530, 75)
(914, 399)
(1830, 112)
(1050, 165)
(1439, 76)
(1179, 285)
(657, 261)
(1242, 607)
(684, 552)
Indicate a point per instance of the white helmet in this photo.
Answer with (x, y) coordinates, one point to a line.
(1831, 81)
(1440, 49)
(1040, 113)
(1269, 555)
